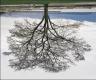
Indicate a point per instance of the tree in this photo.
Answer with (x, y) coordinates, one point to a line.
(45, 45)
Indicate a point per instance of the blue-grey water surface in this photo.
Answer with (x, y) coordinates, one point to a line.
(80, 16)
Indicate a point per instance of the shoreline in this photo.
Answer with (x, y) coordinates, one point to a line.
(52, 10)
(62, 7)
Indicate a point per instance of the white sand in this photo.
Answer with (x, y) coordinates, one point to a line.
(83, 70)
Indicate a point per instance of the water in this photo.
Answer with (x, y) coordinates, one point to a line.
(80, 16)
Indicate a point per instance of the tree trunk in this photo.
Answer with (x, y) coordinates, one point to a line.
(46, 12)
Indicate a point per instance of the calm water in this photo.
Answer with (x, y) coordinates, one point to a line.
(80, 16)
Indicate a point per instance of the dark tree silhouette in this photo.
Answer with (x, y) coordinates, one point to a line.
(46, 45)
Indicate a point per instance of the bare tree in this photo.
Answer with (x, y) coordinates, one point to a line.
(46, 45)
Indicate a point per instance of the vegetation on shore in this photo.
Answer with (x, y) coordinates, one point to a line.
(4, 2)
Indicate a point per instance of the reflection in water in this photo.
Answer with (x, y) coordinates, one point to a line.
(80, 16)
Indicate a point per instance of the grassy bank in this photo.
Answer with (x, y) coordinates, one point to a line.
(4, 2)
